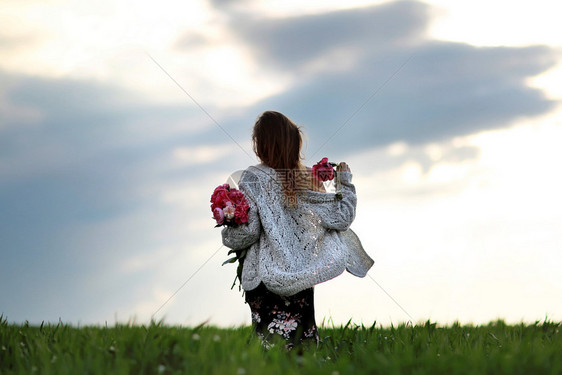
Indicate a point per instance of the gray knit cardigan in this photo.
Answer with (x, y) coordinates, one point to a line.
(294, 248)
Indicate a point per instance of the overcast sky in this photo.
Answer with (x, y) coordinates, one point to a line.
(116, 123)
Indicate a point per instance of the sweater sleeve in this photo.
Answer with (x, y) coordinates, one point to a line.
(336, 213)
(246, 234)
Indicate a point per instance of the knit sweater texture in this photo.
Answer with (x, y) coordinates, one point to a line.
(291, 249)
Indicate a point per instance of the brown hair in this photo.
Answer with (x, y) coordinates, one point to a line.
(277, 142)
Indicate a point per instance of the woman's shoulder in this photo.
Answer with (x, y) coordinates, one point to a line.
(257, 172)
(260, 168)
(255, 176)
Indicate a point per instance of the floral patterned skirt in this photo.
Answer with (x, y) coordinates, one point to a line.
(290, 318)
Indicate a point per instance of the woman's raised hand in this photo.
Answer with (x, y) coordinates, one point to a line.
(343, 167)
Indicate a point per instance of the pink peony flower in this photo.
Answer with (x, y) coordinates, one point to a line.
(218, 215)
(323, 171)
(220, 196)
(229, 206)
(229, 211)
(236, 196)
(241, 215)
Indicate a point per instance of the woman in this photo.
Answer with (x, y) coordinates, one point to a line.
(297, 234)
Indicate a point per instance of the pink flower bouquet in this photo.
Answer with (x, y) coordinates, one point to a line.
(324, 171)
(229, 206)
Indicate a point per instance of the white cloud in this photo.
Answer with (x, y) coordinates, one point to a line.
(397, 148)
(111, 42)
(470, 241)
(493, 23)
(206, 153)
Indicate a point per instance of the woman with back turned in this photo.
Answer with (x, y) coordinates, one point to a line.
(296, 236)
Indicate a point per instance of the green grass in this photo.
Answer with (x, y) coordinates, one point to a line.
(495, 348)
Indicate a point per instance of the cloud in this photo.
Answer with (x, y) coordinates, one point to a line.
(191, 40)
(396, 84)
(445, 90)
(52, 124)
(93, 151)
(292, 42)
(11, 42)
(85, 185)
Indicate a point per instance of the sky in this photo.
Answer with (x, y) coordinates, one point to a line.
(117, 122)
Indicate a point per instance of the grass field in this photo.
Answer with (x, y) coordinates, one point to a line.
(495, 348)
